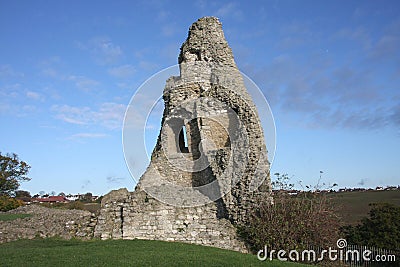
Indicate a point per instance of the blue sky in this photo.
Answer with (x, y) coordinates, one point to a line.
(330, 71)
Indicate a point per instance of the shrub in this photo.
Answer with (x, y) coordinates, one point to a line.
(75, 205)
(8, 203)
(292, 221)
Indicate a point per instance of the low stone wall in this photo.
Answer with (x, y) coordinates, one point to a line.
(130, 215)
(47, 222)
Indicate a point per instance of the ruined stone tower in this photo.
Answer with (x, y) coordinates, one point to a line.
(209, 166)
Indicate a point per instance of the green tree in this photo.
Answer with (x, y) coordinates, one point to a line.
(87, 197)
(12, 172)
(22, 193)
(381, 229)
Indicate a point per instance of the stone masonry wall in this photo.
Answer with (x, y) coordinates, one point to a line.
(127, 215)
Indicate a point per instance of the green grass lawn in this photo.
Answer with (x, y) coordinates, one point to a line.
(10, 217)
(57, 252)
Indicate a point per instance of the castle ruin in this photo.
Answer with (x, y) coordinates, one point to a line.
(209, 167)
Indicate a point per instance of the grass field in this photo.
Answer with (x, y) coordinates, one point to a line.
(55, 252)
(353, 206)
(10, 217)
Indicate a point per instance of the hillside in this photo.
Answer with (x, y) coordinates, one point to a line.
(353, 206)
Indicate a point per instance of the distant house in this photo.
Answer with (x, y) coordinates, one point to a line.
(391, 188)
(51, 199)
(82, 197)
(71, 197)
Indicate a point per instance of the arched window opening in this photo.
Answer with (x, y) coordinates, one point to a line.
(183, 142)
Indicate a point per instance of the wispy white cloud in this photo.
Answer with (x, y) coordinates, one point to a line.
(168, 29)
(4, 108)
(326, 96)
(10, 91)
(376, 48)
(17, 110)
(359, 35)
(143, 56)
(163, 15)
(296, 34)
(124, 85)
(359, 12)
(83, 83)
(50, 72)
(147, 65)
(124, 71)
(395, 115)
(108, 115)
(170, 52)
(201, 4)
(35, 96)
(143, 53)
(103, 50)
(15, 100)
(231, 9)
(111, 115)
(87, 135)
(74, 115)
(50, 68)
(6, 71)
(386, 48)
